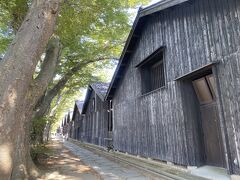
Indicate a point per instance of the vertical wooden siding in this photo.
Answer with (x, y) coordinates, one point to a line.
(78, 119)
(158, 125)
(94, 123)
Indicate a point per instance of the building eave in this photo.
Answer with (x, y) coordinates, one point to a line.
(87, 97)
(134, 33)
(123, 55)
(159, 6)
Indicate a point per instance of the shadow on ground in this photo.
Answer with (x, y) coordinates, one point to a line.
(62, 164)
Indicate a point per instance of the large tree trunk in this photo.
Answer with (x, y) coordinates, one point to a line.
(16, 71)
(35, 91)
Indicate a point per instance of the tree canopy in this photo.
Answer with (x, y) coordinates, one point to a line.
(80, 38)
(92, 34)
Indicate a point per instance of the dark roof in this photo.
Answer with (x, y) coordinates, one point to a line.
(132, 38)
(100, 89)
(79, 105)
(159, 6)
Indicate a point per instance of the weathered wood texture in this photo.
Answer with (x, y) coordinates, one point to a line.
(160, 124)
(94, 124)
(65, 126)
(70, 125)
(77, 124)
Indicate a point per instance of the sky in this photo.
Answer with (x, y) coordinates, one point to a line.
(154, 1)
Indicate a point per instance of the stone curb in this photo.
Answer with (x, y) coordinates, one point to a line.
(149, 165)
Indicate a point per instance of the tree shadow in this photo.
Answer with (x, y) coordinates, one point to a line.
(62, 164)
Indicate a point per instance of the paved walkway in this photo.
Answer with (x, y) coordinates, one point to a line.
(109, 170)
(62, 164)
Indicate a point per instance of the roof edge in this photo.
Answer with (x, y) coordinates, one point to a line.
(160, 6)
(97, 92)
(123, 52)
(86, 100)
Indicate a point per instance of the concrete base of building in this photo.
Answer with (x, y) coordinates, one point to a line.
(191, 167)
(211, 172)
(170, 163)
(235, 177)
(156, 167)
(150, 159)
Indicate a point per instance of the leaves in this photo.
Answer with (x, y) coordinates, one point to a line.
(92, 34)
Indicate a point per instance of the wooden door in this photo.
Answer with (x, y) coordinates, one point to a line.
(205, 89)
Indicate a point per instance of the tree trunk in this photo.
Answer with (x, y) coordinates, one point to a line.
(16, 71)
(36, 90)
(43, 106)
(45, 101)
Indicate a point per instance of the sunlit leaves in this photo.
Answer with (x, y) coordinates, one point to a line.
(89, 30)
(92, 30)
(12, 13)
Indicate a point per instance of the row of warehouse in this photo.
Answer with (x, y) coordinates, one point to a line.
(90, 121)
(175, 93)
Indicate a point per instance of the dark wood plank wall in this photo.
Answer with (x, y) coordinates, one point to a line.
(94, 125)
(229, 77)
(78, 119)
(159, 124)
(70, 125)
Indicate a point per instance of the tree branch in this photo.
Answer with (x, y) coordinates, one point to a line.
(75, 69)
(43, 107)
(41, 82)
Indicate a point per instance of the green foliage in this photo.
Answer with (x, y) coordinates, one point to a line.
(92, 34)
(37, 129)
(90, 31)
(39, 151)
(66, 104)
(12, 13)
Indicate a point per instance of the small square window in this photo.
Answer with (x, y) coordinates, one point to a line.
(152, 72)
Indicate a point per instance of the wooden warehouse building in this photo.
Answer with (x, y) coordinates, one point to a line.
(64, 126)
(94, 125)
(67, 125)
(176, 89)
(77, 118)
(70, 124)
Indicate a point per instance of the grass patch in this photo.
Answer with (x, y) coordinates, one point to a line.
(40, 152)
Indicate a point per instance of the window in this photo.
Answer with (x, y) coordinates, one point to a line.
(157, 75)
(152, 72)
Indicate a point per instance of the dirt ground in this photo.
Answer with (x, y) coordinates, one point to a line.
(62, 164)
